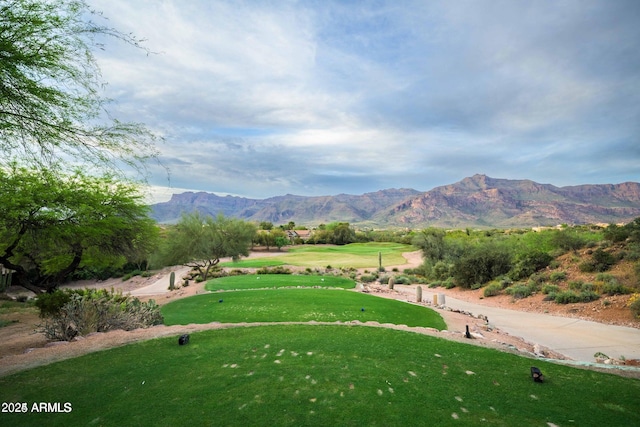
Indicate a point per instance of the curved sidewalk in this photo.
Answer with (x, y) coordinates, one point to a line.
(161, 286)
(575, 338)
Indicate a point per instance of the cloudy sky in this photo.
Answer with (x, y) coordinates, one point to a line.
(264, 98)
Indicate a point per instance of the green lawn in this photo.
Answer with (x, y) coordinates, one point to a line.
(297, 305)
(316, 376)
(356, 255)
(277, 281)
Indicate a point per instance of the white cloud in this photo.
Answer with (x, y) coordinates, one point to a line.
(265, 98)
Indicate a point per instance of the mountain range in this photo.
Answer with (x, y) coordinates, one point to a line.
(478, 201)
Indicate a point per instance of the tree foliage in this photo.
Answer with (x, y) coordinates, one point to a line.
(480, 264)
(51, 107)
(52, 224)
(200, 241)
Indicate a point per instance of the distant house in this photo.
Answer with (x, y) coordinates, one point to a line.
(298, 234)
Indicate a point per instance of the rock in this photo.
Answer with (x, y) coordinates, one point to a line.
(537, 350)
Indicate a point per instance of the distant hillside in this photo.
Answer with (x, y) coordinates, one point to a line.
(477, 201)
(282, 209)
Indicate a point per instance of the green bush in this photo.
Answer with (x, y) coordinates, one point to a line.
(519, 290)
(600, 261)
(401, 280)
(492, 289)
(615, 289)
(567, 297)
(548, 289)
(588, 296)
(558, 276)
(481, 264)
(528, 263)
(576, 285)
(441, 270)
(132, 274)
(51, 303)
(587, 287)
(449, 283)
(368, 278)
(275, 270)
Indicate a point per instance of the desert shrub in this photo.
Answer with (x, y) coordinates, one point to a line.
(538, 278)
(554, 264)
(402, 280)
(567, 297)
(237, 272)
(588, 296)
(633, 252)
(587, 267)
(273, 270)
(51, 303)
(368, 278)
(519, 290)
(634, 305)
(549, 289)
(441, 270)
(587, 287)
(615, 288)
(528, 263)
(435, 284)
(99, 311)
(492, 289)
(558, 276)
(600, 261)
(567, 240)
(481, 264)
(615, 233)
(575, 285)
(449, 283)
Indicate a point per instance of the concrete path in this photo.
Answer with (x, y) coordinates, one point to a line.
(576, 339)
(161, 286)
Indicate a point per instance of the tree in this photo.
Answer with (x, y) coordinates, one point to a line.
(480, 264)
(199, 241)
(266, 225)
(50, 103)
(342, 233)
(281, 241)
(52, 224)
(431, 241)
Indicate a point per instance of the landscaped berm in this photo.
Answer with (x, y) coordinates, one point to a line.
(296, 351)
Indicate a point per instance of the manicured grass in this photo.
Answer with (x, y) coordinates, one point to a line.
(356, 255)
(317, 376)
(274, 261)
(297, 305)
(277, 281)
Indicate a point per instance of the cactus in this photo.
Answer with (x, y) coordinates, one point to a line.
(391, 282)
(172, 281)
(380, 267)
(419, 294)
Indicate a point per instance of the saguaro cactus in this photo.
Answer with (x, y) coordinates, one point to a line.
(172, 281)
(380, 261)
(419, 294)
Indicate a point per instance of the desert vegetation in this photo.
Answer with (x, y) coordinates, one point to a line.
(566, 264)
